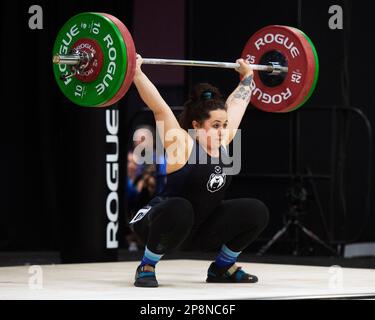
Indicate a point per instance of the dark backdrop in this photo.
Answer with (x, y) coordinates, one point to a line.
(332, 142)
(35, 118)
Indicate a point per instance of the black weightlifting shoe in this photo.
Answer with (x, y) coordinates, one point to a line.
(229, 274)
(145, 277)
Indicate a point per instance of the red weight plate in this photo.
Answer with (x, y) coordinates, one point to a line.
(96, 63)
(311, 78)
(301, 64)
(131, 54)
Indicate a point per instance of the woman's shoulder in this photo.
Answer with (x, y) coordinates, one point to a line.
(175, 162)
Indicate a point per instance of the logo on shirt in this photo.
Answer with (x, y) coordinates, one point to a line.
(216, 180)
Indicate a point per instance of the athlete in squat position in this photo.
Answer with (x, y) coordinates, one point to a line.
(190, 214)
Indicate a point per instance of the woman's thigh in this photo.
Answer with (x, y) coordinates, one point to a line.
(229, 219)
(163, 213)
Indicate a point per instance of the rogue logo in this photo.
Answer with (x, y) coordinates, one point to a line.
(64, 48)
(267, 98)
(111, 69)
(112, 177)
(280, 39)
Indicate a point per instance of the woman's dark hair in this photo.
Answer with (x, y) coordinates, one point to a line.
(203, 98)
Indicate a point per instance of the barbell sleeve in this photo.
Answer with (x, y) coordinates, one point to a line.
(76, 60)
(71, 59)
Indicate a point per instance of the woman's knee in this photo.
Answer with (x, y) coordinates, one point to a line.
(254, 213)
(263, 214)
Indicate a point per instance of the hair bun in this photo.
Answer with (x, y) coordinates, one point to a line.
(207, 95)
(204, 92)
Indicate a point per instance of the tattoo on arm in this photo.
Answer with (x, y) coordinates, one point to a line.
(244, 92)
(247, 81)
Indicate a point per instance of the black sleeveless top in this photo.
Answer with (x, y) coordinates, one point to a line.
(202, 181)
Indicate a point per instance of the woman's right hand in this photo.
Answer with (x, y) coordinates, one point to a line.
(139, 61)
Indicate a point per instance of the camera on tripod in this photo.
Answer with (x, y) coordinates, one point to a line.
(297, 196)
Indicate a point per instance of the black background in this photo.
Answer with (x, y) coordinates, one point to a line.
(40, 148)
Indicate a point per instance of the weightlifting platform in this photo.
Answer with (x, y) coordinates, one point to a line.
(182, 280)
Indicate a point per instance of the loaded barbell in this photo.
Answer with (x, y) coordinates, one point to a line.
(94, 63)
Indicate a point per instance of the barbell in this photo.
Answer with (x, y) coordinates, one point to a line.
(94, 61)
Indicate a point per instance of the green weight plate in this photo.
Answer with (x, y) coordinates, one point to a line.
(108, 37)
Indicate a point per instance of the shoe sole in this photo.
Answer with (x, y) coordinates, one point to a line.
(146, 285)
(210, 280)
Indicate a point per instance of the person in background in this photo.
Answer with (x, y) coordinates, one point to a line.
(143, 180)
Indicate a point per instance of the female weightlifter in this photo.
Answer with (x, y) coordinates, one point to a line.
(191, 213)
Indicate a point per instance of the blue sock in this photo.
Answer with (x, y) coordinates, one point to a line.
(226, 257)
(150, 258)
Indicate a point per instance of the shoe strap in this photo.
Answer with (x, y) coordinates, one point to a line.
(148, 268)
(232, 270)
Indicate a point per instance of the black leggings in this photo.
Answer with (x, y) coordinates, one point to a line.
(169, 225)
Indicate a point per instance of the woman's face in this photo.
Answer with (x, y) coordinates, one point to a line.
(212, 131)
